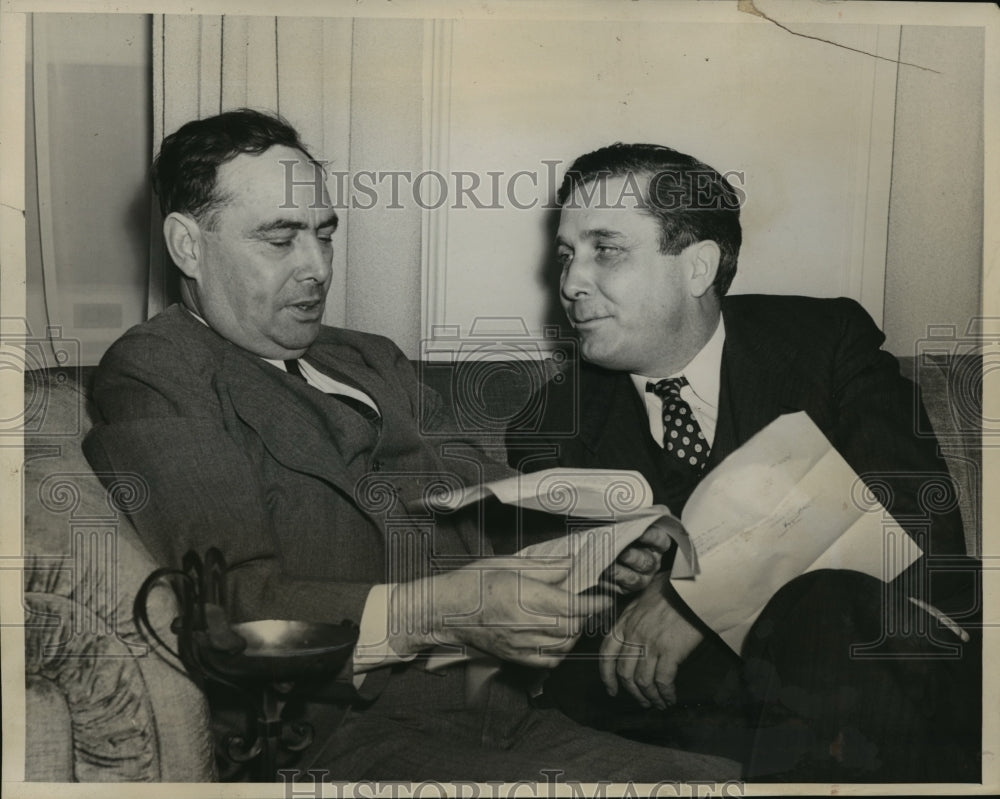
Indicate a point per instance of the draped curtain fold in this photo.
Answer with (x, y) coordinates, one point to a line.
(297, 67)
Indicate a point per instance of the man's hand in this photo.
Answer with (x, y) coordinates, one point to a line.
(646, 646)
(518, 609)
(639, 562)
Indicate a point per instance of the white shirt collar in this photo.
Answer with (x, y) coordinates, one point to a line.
(196, 315)
(312, 375)
(702, 372)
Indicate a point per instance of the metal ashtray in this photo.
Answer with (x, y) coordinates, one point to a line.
(284, 650)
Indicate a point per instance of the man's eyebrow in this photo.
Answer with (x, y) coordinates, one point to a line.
(603, 233)
(593, 233)
(292, 224)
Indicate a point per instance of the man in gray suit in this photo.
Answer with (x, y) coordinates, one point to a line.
(296, 449)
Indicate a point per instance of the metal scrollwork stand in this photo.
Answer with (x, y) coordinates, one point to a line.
(268, 662)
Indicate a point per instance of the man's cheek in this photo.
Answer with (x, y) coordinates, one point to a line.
(265, 300)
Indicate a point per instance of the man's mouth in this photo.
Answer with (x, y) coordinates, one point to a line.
(581, 315)
(588, 321)
(307, 307)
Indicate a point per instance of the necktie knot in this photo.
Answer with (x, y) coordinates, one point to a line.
(293, 368)
(683, 439)
(668, 387)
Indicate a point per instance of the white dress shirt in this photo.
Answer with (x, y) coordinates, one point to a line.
(701, 393)
(327, 384)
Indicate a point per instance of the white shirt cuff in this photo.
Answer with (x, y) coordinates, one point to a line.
(373, 649)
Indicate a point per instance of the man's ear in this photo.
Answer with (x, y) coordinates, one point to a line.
(703, 262)
(183, 238)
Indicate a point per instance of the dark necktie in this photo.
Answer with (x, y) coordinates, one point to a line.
(358, 406)
(682, 435)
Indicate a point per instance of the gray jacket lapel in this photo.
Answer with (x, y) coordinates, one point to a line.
(302, 428)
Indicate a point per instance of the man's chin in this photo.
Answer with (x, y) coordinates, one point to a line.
(299, 337)
(603, 356)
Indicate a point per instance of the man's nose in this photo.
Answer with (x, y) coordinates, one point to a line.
(317, 261)
(576, 280)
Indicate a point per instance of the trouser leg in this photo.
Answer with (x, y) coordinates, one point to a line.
(854, 683)
(842, 679)
(407, 735)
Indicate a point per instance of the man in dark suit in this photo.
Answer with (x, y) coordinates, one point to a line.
(674, 376)
(296, 449)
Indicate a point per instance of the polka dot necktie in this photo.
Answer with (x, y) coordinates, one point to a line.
(682, 436)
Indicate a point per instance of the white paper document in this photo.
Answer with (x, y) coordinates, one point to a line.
(611, 507)
(783, 504)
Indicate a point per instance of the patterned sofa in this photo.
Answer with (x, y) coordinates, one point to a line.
(104, 705)
(101, 703)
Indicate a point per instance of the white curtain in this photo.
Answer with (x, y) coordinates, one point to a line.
(297, 67)
(87, 139)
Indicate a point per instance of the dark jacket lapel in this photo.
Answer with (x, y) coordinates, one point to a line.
(415, 462)
(614, 428)
(307, 434)
(763, 376)
(345, 364)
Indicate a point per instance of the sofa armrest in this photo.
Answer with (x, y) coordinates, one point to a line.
(133, 715)
(48, 740)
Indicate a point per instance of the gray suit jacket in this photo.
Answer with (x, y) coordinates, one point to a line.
(301, 495)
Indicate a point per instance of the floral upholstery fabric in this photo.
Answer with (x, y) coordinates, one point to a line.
(134, 714)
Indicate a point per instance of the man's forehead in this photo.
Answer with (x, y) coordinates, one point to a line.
(613, 216)
(628, 191)
(281, 178)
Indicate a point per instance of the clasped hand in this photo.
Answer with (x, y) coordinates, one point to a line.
(519, 609)
(638, 563)
(527, 613)
(647, 645)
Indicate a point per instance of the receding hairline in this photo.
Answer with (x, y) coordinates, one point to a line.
(208, 215)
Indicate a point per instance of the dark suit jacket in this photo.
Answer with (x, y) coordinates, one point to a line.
(302, 497)
(782, 354)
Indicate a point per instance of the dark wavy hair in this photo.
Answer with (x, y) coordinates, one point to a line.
(185, 172)
(691, 200)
